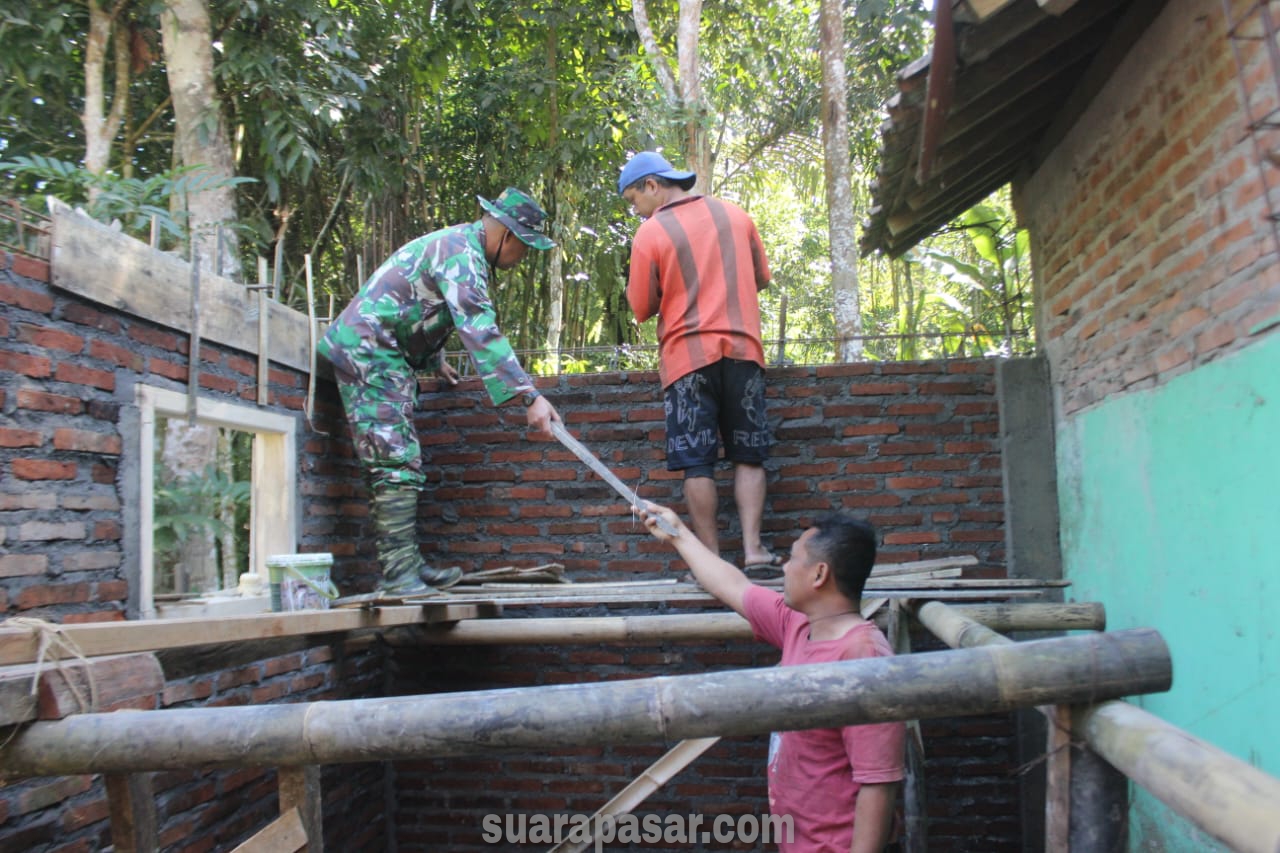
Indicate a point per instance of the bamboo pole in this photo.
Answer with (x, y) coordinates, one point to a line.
(21, 645)
(741, 702)
(1085, 799)
(572, 630)
(1035, 616)
(1228, 798)
(727, 626)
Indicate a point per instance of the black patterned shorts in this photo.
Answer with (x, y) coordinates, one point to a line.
(720, 404)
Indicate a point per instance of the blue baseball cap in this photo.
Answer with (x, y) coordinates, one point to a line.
(648, 163)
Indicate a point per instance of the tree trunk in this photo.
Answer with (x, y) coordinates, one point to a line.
(100, 126)
(555, 264)
(684, 98)
(200, 131)
(188, 450)
(697, 145)
(227, 556)
(835, 142)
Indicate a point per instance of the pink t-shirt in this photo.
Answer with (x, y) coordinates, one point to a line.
(815, 774)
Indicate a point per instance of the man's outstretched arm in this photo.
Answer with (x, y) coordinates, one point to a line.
(722, 579)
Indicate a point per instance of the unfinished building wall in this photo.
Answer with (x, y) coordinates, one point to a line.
(912, 446)
(1156, 260)
(68, 368)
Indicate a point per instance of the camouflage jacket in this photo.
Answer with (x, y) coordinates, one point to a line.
(411, 303)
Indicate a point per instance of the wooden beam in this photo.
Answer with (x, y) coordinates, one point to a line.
(1057, 798)
(285, 834)
(915, 809)
(986, 8)
(300, 792)
(132, 804)
(454, 624)
(654, 777)
(987, 680)
(1099, 797)
(1120, 38)
(156, 286)
(20, 645)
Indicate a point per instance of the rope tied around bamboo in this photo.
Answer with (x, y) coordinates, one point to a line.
(50, 638)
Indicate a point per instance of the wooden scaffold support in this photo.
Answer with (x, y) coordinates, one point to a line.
(741, 702)
(1228, 798)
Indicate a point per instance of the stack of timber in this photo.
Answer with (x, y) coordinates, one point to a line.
(467, 615)
(938, 579)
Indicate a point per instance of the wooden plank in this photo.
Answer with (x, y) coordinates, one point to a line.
(638, 790)
(132, 804)
(19, 645)
(915, 812)
(156, 286)
(300, 791)
(986, 8)
(891, 569)
(285, 834)
(1057, 795)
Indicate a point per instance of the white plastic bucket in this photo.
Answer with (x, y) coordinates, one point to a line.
(301, 581)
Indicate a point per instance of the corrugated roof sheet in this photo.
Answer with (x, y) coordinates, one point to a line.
(1021, 78)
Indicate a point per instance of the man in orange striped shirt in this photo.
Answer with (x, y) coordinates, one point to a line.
(697, 262)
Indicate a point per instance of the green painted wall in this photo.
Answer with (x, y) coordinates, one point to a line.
(1170, 505)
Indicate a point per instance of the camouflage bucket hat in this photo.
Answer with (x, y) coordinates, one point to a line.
(522, 215)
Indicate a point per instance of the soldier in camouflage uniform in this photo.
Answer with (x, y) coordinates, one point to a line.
(396, 326)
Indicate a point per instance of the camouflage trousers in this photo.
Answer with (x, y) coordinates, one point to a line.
(380, 407)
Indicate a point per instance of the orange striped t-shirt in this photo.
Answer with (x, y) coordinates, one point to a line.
(698, 264)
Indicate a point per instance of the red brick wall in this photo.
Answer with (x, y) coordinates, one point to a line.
(911, 446)
(970, 771)
(67, 368)
(1151, 242)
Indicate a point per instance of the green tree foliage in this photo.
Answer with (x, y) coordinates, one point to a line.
(360, 125)
(135, 203)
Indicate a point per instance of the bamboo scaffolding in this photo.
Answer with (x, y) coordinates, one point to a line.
(743, 702)
(1227, 798)
(452, 624)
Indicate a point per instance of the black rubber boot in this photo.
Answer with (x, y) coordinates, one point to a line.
(404, 572)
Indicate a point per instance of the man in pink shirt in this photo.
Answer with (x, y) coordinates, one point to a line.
(838, 785)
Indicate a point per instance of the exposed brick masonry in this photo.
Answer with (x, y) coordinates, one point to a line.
(911, 446)
(1152, 244)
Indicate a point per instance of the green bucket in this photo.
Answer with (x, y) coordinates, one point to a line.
(300, 582)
